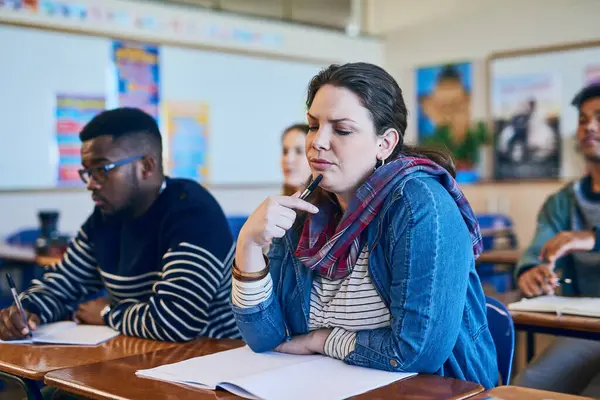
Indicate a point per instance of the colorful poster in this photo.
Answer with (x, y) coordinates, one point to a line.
(11, 4)
(526, 112)
(444, 115)
(592, 74)
(72, 113)
(137, 68)
(31, 5)
(188, 139)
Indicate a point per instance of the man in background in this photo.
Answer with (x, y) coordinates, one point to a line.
(161, 247)
(567, 238)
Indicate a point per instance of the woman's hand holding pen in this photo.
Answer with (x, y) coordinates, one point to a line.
(270, 220)
(12, 325)
(273, 218)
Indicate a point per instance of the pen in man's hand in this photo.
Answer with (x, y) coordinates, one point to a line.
(15, 295)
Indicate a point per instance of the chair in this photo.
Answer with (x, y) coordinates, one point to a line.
(22, 273)
(235, 225)
(503, 333)
(24, 237)
(497, 232)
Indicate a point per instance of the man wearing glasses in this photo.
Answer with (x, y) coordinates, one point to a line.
(161, 247)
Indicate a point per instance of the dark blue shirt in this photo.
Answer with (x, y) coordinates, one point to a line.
(167, 273)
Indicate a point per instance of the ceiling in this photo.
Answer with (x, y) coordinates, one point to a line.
(331, 14)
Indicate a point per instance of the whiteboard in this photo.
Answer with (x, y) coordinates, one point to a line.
(35, 66)
(572, 67)
(251, 100)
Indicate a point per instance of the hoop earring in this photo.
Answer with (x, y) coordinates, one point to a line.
(379, 164)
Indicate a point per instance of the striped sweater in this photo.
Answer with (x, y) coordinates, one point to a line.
(166, 273)
(346, 305)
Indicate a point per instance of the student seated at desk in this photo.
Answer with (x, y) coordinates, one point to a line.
(160, 246)
(380, 272)
(294, 165)
(567, 239)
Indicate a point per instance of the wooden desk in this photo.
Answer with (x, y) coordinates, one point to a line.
(11, 252)
(25, 254)
(35, 361)
(548, 323)
(97, 381)
(28, 363)
(510, 256)
(554, 324)
(519, 393)
(564, 325)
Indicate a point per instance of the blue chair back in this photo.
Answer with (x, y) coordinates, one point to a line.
(497, 231)
(235, 225)
(24, 237)
(503, 333)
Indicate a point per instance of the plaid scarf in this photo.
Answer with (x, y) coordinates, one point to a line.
(333, 250)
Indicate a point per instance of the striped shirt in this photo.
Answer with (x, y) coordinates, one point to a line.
(346, 305)
(167, 274)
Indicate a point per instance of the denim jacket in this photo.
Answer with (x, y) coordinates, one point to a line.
(422, 265)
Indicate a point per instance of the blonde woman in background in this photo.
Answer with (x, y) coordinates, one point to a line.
(294, 164)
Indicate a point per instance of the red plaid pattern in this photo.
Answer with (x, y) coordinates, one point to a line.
(333, 250)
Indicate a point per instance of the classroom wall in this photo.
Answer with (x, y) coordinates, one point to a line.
(18, 209)
(429, 33)
(471, 30)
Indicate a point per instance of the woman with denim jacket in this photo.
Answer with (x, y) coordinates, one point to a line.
(378, 270)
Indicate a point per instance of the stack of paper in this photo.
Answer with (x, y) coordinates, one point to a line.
(583, 306)
(69, 332)
(274, 375)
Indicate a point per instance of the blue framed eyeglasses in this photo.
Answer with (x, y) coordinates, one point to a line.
(100, 173)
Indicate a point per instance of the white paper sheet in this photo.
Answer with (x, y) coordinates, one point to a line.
(69, 333)
(275, 376)
(582, 306)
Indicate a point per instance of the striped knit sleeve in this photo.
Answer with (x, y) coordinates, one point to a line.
(249, 294)
(63, 284)
(340, 343)
(180, 302)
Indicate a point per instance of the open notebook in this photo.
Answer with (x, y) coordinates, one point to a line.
(583, 306)
(274, 375)
(69, 332)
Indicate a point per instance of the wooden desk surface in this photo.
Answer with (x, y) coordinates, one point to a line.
(35, 361)
(552, 320)
(509, 256)
(519, 393)
(25, 254)
(546, 320)
(17, 253)
(97, 381)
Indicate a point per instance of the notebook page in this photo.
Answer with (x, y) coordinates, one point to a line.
(42, 331)
(587, 307)
(17, 341)
(322, 378)
(83, 335)
(558, 304)
(224, 366)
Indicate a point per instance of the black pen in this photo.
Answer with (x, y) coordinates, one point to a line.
(15, 295)
(311, 188)
(564, 280)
